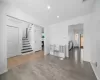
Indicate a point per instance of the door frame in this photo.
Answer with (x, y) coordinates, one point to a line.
(80, 42)
(19, 39)
(36, 29)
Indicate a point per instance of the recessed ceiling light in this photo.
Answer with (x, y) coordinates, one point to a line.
(48, 7)
(57, 16)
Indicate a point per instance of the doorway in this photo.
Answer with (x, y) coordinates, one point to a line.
(76, 42)
(12, 41)
(43, 39)
(38, 38)
(81, 41)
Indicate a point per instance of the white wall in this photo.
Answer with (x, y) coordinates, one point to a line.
(46, 41)
(8, 9)
(75, 29)
(18, 13)
(58, 33)
(71, 37)
(18, 23)
(22, 29)
(95, 37)
(3, 39)
(31, 36)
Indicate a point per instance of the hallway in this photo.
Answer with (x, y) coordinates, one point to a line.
(30, 30)
(76, 54)
(50, 68)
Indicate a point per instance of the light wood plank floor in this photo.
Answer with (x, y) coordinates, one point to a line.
(18, 60)
(35, 66)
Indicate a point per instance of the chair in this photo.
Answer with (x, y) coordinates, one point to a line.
(58, 50)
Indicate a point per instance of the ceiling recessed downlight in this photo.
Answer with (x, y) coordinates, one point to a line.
(48, 7)
(57, 16)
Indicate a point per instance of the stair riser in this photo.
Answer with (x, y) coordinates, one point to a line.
(26, 42)
(26, 49)
(24, 39)
(26, 46)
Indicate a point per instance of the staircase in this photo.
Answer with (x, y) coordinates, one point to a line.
(26, 47)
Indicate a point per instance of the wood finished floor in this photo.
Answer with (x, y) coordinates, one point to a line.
(18, 60)
(36, 66)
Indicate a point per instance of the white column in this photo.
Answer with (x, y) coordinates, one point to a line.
(3, 40)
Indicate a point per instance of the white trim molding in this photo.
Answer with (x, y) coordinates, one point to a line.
(94, 69)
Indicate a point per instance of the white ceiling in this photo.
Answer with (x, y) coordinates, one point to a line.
(65, 9)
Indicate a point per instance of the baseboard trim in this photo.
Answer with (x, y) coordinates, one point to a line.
(4, 71)
(27, 53)
(95, 71)
(45, 54)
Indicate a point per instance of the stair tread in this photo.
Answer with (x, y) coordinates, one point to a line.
(27, 51)
(26, 44)
(26, 48)
(25, 39)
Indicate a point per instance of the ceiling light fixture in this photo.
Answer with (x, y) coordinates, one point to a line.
(57, 16)
(48, 7)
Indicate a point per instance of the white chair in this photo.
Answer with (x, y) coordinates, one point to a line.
(62, 51)
(58, 50)
(52, 47)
